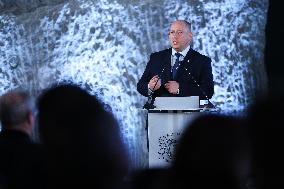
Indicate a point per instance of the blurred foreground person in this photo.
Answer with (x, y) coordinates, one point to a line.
(20, 157)
(214, 152)
(82, 140)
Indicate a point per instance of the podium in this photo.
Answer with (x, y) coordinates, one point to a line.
(165, 125)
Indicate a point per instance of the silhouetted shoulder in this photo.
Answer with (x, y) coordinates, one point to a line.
(201, 56)
(164, 52)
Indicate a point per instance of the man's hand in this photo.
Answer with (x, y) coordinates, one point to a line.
(172, 87)
(155, 81)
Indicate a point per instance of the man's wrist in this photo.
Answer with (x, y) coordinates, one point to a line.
(150, 88)
(150, 91)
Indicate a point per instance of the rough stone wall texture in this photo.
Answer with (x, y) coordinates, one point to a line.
(105, 45)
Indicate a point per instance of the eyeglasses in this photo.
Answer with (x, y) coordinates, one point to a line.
(178, 32)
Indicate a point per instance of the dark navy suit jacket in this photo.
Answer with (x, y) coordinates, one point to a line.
(21, 161)
(198, 68)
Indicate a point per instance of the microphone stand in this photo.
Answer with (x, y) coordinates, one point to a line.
(150, 102)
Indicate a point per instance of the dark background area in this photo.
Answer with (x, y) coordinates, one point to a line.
(274, 50)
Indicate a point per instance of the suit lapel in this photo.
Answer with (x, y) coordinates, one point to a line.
(167, 61)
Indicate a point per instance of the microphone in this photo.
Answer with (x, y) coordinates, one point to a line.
(150, 102)
(210, 105)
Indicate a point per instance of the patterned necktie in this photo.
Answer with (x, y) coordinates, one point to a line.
(176, 65)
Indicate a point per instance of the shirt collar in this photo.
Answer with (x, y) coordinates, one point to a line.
(184, 52)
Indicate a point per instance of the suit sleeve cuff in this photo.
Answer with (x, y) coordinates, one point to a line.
(149, 90)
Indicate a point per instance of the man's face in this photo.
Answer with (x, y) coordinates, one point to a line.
(179, 36)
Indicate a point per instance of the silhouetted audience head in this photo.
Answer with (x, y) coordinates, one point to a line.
(16, 111)
(267, 130)
(213, 152)
(82, 140)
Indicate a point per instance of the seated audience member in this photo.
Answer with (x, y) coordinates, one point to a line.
(82, 140)
(20, 159)
(214, 152)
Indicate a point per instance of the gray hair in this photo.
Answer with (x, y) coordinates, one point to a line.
(15, 108)
(187, 23)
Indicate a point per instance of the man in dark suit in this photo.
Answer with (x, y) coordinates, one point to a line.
(179, 70)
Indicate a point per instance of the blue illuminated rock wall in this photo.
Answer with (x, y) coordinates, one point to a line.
(105, 45)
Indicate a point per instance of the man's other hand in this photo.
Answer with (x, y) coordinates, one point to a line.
(172, 87)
